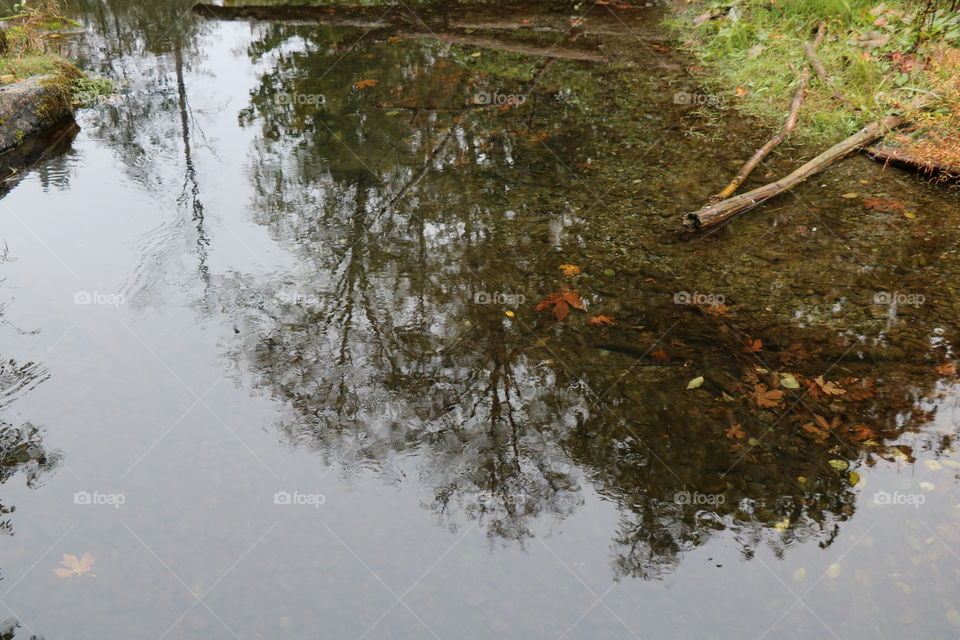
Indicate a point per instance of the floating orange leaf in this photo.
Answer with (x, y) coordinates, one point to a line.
(367, 82)
(736, 432)
(599, 321)
(829, 388)
(75, 567)
(948, 369)
(569, 269)
(880, 204)
(767, 398)
(816, 431)
(753, 346)
(562, 302)
(718, 309)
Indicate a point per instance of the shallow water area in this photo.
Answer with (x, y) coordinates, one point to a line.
(272, 358)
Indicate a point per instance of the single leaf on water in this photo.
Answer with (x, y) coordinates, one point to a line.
(569, 269)
(879, 204)
(839, 465)
(736, 432)
(74, 567)
(948, 369)
(599, 321)
(829, 388)
(367, 82)
(696, 382)
(767, 399)
(574, 300)
(561, 302)
(854, 478)
(788, 381)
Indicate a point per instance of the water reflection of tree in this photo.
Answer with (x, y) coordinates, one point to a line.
(397, 216)
(375, 344)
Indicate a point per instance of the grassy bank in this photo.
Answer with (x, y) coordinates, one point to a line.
(879, 57)
(30, 45)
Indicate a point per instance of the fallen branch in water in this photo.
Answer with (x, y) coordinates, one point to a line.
(714, 214)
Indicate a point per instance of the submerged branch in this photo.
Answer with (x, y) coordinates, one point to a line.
(714, 214)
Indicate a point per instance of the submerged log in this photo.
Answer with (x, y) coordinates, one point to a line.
(714, 214)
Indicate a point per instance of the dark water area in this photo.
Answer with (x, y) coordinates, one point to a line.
(270, 352)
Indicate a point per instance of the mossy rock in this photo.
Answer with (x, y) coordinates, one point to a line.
(35, 104)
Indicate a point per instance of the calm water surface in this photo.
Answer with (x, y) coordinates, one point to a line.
(258, 360)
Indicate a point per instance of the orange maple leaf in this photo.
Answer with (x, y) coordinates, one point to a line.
(754, 346)
(569, 269)
(948, 369)
(819, 433)
(829, 388)
(736, 432)
(599, 321)
(75, 567)
(562, 302)
(367, 82)
(718, 309)
(765, 398)
(882, 205)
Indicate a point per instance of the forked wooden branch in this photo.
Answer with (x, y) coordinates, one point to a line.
(714, 214)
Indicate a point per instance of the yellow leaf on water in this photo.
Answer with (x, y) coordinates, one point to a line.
(909, 214)
(696, 382)
(953, 617)
(839, 465)
(788, 381)
(850, 196)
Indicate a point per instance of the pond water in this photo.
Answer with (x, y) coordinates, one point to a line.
(271, 355)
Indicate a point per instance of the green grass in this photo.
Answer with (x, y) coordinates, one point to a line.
(31, 65)
(757, 47)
